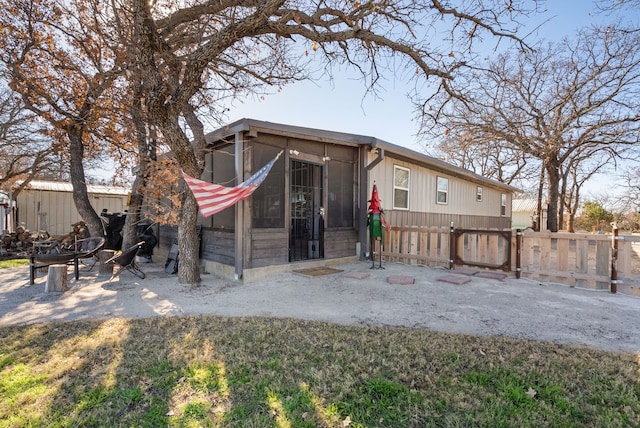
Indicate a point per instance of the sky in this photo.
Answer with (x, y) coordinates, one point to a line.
(341, 105)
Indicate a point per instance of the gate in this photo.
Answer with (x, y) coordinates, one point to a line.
(482, 248)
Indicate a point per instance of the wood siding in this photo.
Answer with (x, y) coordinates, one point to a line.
(218, 246)
(269, 247)
(340, 243)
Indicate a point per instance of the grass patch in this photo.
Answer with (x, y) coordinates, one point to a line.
(12, 263)
(216, 372)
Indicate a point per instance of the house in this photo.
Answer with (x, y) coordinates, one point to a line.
(524, 214)
(313, 204)
(48, 205)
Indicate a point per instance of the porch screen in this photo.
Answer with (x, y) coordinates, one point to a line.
(267, 202)
(341, 202)
(224, 172)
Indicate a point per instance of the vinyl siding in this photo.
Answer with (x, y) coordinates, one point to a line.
(422, 191)
(55, 212)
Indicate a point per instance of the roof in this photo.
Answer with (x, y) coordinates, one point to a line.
(253, 127)
(61, 186)
(525, 205)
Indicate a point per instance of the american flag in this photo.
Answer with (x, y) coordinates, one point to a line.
(213, 198)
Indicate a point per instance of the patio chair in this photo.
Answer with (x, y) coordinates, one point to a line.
(88, 248)
(127, 260)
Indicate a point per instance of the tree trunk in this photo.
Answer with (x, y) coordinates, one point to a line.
(56, 279)
(562, 200)
(540, 192)
(79, 183)
(553, 177)
(130, 230)
(188, 241)
(574, 209)
(166, 116)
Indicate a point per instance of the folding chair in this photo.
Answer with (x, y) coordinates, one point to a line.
(88, 249)
(127, 260)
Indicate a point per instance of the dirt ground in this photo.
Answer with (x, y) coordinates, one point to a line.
(355, 295)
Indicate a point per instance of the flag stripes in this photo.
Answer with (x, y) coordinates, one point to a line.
(213, 198)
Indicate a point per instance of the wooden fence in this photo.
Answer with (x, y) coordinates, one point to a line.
(606, 261)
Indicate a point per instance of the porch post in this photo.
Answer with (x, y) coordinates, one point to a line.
(519, 238)
(361, 218)
(613, 286)
(239, 221)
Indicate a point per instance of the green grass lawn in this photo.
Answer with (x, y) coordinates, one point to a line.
(261, 372)
(11, 263)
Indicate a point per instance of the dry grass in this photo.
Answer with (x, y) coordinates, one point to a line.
(259, 372)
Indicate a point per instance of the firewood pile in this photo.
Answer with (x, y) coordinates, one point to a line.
(24, 241)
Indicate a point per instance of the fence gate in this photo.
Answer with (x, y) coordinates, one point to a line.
(482, 248)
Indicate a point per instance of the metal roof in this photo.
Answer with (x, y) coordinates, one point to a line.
(253, 127)
(61, 186)
(525, 205)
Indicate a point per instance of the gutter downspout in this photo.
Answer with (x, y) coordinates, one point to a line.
(377, 160)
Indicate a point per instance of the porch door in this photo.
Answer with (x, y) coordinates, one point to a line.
(307, 215)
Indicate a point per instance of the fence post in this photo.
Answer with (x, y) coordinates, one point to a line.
(452, 246)
(613, 286)
(519, 237)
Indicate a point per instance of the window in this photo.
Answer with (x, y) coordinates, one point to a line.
(503, 204)
(442, 190)
(340, 212)
(268, 200)
(400, 187)
(478, 194)
(224, 172)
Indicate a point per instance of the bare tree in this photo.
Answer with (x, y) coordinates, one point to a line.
(489, 159)
(60, 57)
(25, 150)
(555, 104)
(630, 182)
(579, 169)
(617, 5)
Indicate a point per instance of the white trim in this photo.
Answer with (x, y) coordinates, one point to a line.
(438, 191)
(403, 189)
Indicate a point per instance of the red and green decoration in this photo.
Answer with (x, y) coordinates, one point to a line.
(376, 223)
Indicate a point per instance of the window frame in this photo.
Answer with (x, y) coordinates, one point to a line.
(403, 189)
(479, 193)
(445, 192)
(503, 204)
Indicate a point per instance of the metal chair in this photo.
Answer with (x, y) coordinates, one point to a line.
(88, 248)
(127, 260)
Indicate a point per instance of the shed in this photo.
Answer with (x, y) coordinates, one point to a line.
(525, 213)
(313, 204)
(49, 206)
